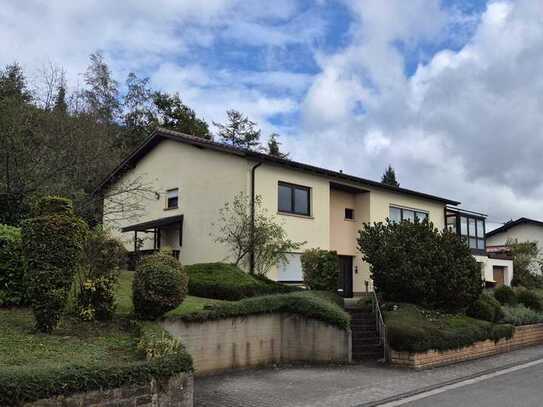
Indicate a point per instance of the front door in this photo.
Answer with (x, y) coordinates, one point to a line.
(345, 276)
(499, 275)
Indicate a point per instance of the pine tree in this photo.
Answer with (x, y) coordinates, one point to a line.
(273, 147)
(239, 131)
(60, 100)
(389, 177)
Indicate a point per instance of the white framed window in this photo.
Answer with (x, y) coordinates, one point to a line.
(398, 214)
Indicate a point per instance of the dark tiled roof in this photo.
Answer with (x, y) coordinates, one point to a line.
(161, 134)
(513, 223)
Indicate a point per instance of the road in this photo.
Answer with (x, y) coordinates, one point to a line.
(519, 387)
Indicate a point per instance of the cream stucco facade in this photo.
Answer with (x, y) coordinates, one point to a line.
(207, 178)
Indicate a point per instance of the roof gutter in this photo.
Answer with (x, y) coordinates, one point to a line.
(253, 198)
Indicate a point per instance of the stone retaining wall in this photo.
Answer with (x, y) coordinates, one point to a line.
(523, 336)
(176, 391)
(257, 340)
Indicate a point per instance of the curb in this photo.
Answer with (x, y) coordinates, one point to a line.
(411, 393)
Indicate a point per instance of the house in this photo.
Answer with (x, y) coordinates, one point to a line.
(194, 178)
(520, 230)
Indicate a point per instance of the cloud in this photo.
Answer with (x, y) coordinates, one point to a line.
(466, 124)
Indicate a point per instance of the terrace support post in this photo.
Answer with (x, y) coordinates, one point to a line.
(252, 231)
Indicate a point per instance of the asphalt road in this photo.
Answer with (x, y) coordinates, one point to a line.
(518, 388)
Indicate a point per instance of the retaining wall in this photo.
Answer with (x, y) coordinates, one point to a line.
(260, 340)
(523, 336)
(177, 391)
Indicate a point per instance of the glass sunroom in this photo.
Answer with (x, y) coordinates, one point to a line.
(470, 226)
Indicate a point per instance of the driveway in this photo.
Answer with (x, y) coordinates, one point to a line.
(338, 386)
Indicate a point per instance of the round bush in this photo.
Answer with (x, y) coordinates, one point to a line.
(529, 299)
(505, 295)
(12, 284)
(52, 244)
(486, 308)
(320, 269)
(160, 285)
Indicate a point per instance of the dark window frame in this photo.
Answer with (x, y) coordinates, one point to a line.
(176, 198)
(414, 210)
(466, 237)
(349, 211)
(293, 188)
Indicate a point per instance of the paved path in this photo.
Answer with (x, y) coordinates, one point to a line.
(338, 386)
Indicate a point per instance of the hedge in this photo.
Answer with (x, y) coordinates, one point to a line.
(224, 281)
(305, 304)
(24, 385)
(52, 245)
(414, 329)
(12, 283)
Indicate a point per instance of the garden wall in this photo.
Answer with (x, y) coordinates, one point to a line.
(257, 340)
(176, 391)
(523, 336)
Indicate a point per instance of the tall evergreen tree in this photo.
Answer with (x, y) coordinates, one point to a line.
(389, 177)
(239, 131)
(60, 100)
(273, 147)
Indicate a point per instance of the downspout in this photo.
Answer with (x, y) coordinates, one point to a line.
(253, 196)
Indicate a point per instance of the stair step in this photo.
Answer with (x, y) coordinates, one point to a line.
(368, 340)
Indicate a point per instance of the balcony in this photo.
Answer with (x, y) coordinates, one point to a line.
(469, 226)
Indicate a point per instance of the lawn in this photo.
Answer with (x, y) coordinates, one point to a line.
(73, 343)
(190, 305)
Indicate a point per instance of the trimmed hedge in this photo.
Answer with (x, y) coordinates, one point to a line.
(306, 304)
(160, 285)
(12, 283)
(224, 281)
(521, 315)
(415, 329)
(52, 245)
(486, 308)
(25, 385)
(320, 269)
(505, 295)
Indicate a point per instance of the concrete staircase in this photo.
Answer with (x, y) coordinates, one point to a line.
(365, 340)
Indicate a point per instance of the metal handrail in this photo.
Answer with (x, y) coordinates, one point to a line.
(379, 323)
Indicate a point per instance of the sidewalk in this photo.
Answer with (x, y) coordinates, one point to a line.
(338, 386)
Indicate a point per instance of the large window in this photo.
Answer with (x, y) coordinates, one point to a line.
(294, 199)
(398, 214)
(470, 228)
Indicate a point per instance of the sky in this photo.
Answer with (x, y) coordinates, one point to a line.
(448, 92)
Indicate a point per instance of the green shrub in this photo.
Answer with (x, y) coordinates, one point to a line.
(414, 262)
(529, 299)
(505, 295)
(101, 261)
(52, 244)
(228, 282)
(160, 285)
(154, 342)
(305, 303)
(320, 269)
(414, 329)
(486, 308)
(12, 283)
(521, 315)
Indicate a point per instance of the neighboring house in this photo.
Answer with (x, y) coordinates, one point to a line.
(520, 230)
(194, 178)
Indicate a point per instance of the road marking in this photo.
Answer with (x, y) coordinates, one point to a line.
(463, 383)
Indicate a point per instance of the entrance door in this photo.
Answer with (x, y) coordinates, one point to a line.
(345, 275)
(499, 275)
